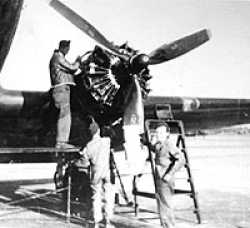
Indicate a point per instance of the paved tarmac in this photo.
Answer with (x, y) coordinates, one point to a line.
(220, 167)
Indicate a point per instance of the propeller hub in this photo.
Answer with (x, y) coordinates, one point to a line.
(138, 62)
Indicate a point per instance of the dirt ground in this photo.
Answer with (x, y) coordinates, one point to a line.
(220, 167)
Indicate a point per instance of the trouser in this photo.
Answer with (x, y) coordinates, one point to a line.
(61, 96)
(102, 192)
(164, 191)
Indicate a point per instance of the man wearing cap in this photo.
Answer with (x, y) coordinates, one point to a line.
(168, 160)
(61, 75)
(97, 154)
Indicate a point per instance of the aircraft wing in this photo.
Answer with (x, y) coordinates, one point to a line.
(202, 113)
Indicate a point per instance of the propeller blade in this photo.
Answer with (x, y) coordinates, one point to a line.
(179, 47)
(84, 26)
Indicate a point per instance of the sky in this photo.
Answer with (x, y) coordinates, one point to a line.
(219, 68)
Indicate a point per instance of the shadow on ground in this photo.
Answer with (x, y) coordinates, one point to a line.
(18, 197)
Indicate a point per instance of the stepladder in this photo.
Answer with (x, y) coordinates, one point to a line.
(177, 129)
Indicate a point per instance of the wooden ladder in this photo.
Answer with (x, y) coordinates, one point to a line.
(180, 143)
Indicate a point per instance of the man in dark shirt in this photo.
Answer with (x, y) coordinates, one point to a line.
(168, 160)
(61, 75)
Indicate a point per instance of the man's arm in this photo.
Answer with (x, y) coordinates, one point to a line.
(178, 162)
(85, 160)
(68, 66)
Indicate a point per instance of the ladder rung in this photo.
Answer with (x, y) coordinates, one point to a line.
(144, 194)
(181, 191)
(152, 195)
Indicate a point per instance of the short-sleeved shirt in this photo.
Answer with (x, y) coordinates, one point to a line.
(61, 71)
(168, 158)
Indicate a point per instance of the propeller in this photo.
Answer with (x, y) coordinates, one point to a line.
(86, 27)
(162, 54)
(179, 47)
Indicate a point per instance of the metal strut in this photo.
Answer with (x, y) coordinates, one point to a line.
(113, 163)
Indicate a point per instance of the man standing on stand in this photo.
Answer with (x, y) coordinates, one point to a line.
(62, 78)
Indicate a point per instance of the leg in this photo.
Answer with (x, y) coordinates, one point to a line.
(61, 97)
(164, 198)
(49, 118)
(109, 199)
(64, 124)
(96, 202)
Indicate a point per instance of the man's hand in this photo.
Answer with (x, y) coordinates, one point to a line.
(167, 178)
(153, 140)
(79, 59)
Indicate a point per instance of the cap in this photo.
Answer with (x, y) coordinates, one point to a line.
(64, 43)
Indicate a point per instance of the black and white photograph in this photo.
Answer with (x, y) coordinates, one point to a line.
(124, 114)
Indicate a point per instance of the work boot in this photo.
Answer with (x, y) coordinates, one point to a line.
(94, 225)
(64, 145)
(107, 224)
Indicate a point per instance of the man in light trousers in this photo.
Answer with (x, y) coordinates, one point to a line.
(97, 152)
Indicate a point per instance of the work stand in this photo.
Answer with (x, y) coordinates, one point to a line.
(68, 154)
(178, 127)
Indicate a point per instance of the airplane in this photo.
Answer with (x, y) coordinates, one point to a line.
(111, 86)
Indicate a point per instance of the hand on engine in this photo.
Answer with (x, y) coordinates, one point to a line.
(79, 59)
